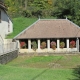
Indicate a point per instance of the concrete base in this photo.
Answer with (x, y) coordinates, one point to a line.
(65, 50)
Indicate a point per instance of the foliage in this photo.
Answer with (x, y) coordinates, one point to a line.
(53, 44)
(43, 45)
(22, 44)
(13, 8)
(44, 8)
(72, 44)
(34, 45)
(67, 8)
(41, 7)
(27, 13)
(62, 44)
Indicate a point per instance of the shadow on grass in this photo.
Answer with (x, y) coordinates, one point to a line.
(46, 69)
(76, 73)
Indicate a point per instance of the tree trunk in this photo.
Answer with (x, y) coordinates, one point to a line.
(25, 4)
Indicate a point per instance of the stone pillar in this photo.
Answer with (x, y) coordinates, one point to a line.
(18, 44)
(29, 44)
(67, 42)
(77, 44)
(48, 43)
(58, 43)
(38, 43)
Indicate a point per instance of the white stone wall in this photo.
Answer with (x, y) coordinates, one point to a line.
(8, 46)
(5, 25)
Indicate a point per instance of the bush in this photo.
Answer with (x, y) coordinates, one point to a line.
(72, 44)
(34, 45)
(26, 13)
(23, 45)
(62, 44)
(53, 45)
(43, 45)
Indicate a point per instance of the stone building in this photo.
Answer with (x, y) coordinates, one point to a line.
(6, 25)
(48, 30)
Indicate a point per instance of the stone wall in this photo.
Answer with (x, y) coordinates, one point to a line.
(5, 58)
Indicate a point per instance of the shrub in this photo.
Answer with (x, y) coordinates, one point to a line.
(62, 44)
(34, 45)
(26, 13)
(22, 44)
(53, 45)
(72, 44)
(43, 45)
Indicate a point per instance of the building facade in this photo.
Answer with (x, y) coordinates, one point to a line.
(6, 25)
(41, 35)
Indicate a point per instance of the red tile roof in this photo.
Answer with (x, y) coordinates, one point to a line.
(51, 28)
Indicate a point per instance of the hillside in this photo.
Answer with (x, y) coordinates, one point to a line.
(19, 24)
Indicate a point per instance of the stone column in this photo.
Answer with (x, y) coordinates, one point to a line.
(29, 44)
(77, 44)
(18, 44)
(38, 43)
(48, 43)
(67, 42)
(58, 43)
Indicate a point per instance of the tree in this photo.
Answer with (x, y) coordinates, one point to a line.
(41, 7)
(45, 8)
(12, 6)
(67, 8)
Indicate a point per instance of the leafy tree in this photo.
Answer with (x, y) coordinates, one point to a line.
(45, 8)
(69, 8)
(41, 7)
(12, 7)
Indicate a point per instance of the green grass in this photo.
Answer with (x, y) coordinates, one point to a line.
(58, 62)
(19, 24)
(40, 68)
(21, 73)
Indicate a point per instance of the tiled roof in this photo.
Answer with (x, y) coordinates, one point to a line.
(51, 28)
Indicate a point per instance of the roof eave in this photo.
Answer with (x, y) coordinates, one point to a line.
(45, 38)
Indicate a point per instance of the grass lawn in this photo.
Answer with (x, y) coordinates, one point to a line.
(58, 67)
(21, 73)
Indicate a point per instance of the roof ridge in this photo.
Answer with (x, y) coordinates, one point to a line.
(53, 19)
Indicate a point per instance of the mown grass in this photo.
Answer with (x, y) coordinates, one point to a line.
(21, 73)
(19, 24)
(58, 62)
(40, 68)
